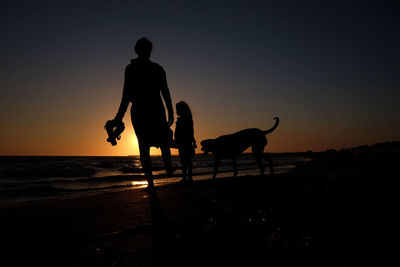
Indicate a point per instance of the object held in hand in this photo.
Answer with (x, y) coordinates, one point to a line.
(114, 130)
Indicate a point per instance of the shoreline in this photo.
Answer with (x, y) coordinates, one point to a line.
(135, 181)
(337, 204)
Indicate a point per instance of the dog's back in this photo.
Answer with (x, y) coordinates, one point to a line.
(232, 145)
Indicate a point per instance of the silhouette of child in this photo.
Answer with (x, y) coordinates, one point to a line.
(184, 138)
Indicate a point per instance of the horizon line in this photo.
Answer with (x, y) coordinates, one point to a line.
(308, 151)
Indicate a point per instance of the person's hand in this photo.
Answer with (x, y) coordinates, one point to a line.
(117, 118)
(170, 119)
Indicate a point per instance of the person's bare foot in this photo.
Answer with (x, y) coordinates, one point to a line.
(149, 189)
(183, 181)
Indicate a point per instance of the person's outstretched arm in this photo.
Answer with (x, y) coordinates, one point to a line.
(167, 98)
(125, 99)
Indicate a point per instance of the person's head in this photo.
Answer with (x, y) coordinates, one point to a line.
(143, 47)
(183, 109)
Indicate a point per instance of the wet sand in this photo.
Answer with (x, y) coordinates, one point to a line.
(339, 206)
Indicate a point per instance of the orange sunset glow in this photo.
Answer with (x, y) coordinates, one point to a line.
(60, 89)
(247, 129)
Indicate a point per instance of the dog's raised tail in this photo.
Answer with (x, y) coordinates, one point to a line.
(273, 127)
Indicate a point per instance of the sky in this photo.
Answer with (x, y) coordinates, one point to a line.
(328, 69)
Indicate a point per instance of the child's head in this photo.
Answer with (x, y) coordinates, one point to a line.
(183, 109)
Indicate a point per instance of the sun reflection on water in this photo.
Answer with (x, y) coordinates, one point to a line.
(139, 184)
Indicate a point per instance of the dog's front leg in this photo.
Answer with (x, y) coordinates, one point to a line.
(234, 164)
(216, 164)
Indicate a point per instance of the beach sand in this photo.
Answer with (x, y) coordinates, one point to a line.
(334, 206)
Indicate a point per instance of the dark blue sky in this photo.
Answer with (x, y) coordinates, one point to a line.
(329, 70)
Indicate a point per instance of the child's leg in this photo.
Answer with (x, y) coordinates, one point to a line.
(187, 162)
(183, 163)
(184, 171)
(190, 167)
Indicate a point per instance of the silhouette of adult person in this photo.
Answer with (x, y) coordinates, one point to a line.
(145, 83)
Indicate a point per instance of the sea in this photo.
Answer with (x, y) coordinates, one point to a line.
(29, 179)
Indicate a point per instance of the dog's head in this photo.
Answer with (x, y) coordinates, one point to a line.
(207, 145)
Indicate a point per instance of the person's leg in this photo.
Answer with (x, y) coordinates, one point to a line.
(146, 163)
(166, 155)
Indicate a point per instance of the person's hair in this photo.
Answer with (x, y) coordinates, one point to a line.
(143, 47)
(185, 110)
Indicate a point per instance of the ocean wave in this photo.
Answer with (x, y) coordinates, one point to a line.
(47, 171)
(54, 190)
(23, 179)
(64, 167)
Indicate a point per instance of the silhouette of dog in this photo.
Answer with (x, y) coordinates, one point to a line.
(232, 145)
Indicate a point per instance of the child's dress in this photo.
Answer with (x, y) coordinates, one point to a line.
(184, 136)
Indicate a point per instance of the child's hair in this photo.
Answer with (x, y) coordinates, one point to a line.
(184, 109)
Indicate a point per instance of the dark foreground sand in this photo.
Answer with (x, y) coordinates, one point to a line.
(335, 211)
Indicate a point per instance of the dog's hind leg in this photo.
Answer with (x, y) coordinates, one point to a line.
(268, 158)
(258, 155)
